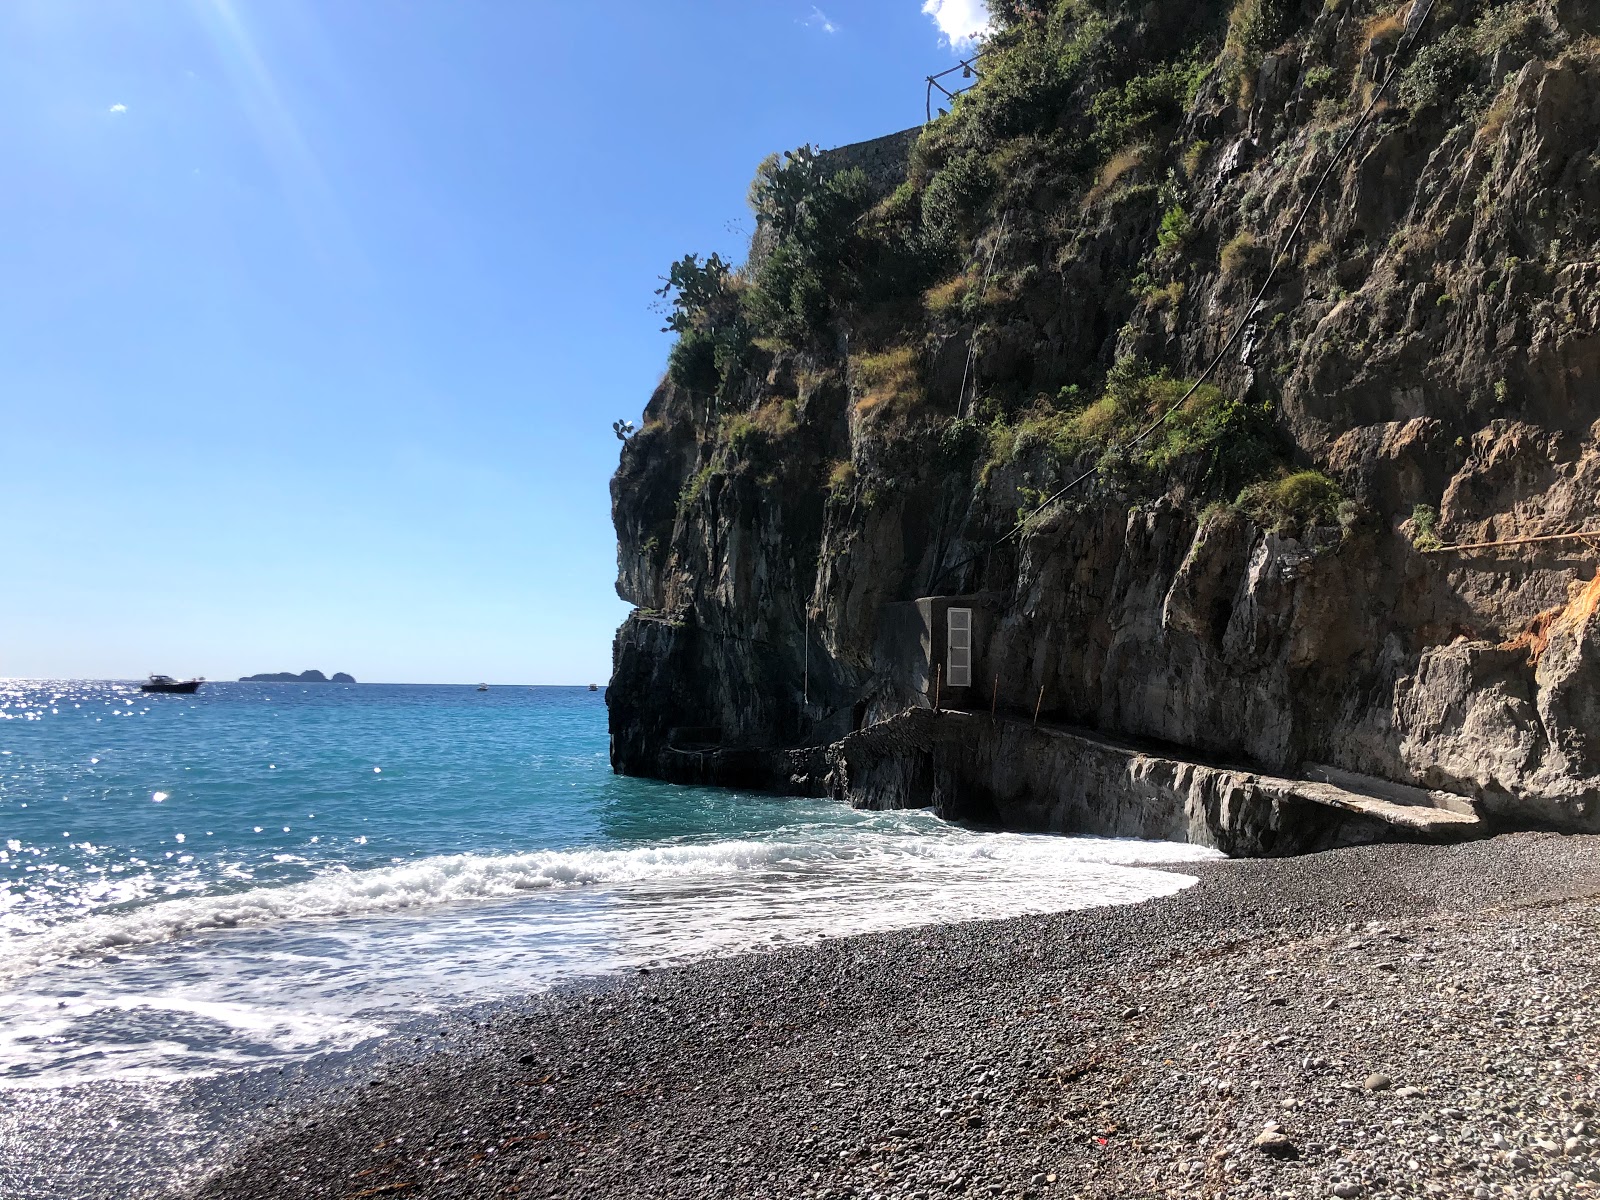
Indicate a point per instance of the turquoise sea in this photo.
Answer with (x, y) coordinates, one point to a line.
(192, 886)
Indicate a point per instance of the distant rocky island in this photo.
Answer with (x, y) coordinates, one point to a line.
(291, 677)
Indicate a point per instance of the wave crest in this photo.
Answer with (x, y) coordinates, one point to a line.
(448, 879)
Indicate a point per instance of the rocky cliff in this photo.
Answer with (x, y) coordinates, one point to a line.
(1291, 568)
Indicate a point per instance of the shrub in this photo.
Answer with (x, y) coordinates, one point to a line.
(1517, 27)
(1254, 26)
(1293, 501)
(1153, 98)
(692, 361)
(790, 297)
(959, 442)
(951, 203)
(1319, 79)
(1423, 528)
(1163, 298)
(1441, 71)
(1028, 82)
(818, 251)
(1221, 443)
(701, 303)
(697, 294)
(1318, 255)
(1242, 255)
(1232, 439)
(1174, 231)
(1446, 70)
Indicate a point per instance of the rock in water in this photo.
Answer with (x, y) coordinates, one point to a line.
(291, 677)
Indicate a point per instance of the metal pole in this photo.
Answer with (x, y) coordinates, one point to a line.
(805, 686)
(938, 675)
(1038, 706)
(994, 697)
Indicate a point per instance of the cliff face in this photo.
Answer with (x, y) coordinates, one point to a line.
(1262, 584)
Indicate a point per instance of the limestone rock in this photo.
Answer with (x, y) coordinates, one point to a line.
(1433, 346)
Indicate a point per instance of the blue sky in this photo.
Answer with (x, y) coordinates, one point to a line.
(314, 316)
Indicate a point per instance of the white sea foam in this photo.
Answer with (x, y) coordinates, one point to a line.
(846, 856)
(290, 980)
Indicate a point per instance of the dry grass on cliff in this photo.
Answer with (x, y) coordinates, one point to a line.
(1499, 112)
(1242, 255)
(771, 422)
(841, 478)
(888, 381)
(944, 298)
(1384, 27)
(1119, 164)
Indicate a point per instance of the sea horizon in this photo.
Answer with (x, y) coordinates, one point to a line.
(255, 877)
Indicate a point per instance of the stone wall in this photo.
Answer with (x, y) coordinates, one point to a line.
(883, 159)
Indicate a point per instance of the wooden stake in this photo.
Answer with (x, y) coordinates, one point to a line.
(938, 674)
(1038, 705)
(994, 697)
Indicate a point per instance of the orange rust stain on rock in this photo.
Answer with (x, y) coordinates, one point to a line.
(1535, 636)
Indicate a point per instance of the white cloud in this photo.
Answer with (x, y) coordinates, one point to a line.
(960, 22)
(118, 108)
(820, 20)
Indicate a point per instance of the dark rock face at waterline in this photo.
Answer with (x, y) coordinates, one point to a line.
(1427, 361)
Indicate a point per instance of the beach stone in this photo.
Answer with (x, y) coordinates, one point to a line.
(1377, 1082)
(1136, 1114)
(1275, 1144)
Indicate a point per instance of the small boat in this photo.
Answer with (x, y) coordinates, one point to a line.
(166, 683)
(594, 687)
(483, 687)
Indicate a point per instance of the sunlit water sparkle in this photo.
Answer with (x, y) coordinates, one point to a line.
(193, 886)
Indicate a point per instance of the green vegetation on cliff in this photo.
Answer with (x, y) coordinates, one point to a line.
(1353, 546)
(1069, 175)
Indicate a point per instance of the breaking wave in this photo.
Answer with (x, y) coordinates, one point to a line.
(1039, 874)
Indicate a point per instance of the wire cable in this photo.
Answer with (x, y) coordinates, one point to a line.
(1278, 258)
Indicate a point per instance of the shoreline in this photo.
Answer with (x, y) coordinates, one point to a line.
(1126, 1050)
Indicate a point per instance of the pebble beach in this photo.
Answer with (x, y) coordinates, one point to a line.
(1376, 1021)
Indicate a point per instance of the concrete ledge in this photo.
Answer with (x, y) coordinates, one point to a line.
(1010, 773)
